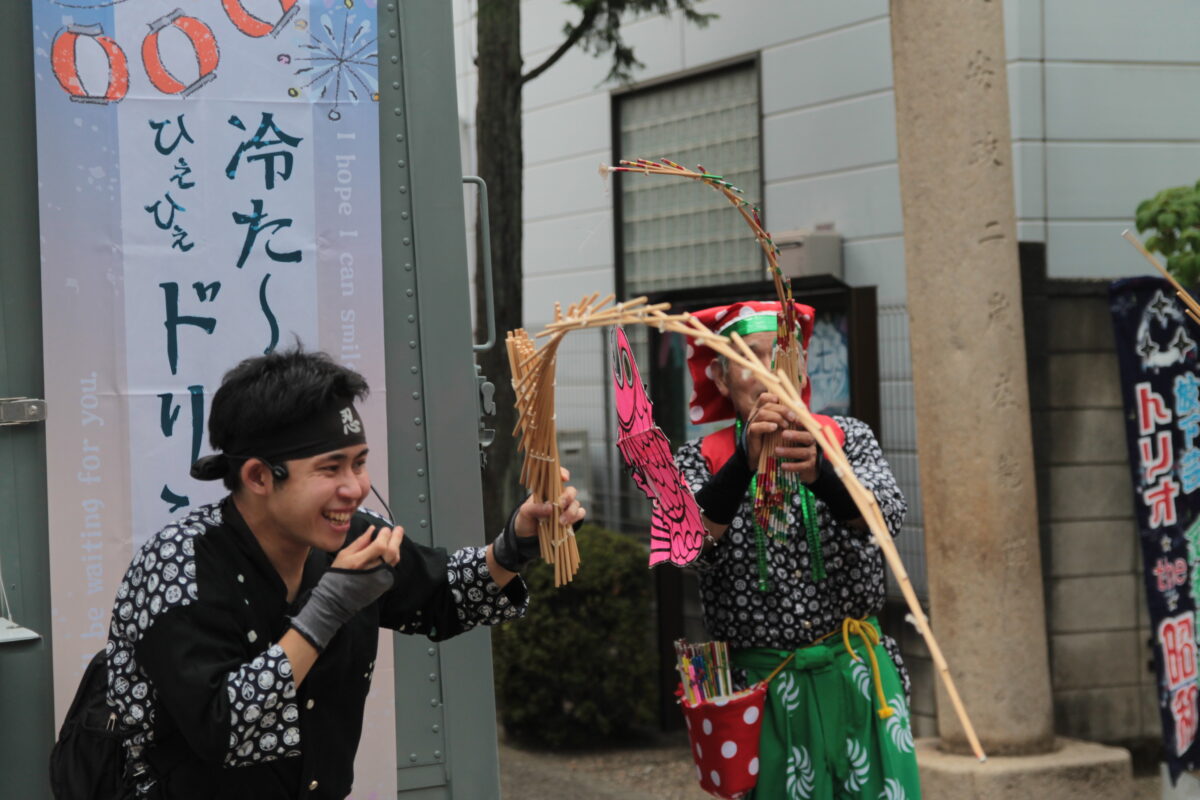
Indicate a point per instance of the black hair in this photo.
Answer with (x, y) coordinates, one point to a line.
(268, 394)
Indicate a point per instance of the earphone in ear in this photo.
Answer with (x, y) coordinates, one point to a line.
(280, 471)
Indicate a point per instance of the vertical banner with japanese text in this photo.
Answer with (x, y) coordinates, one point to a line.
(1158, 354)
(208, 191)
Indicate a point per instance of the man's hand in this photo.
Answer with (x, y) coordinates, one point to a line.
(358, 577)
(799, 447)
(767, 417)
(365, 552)
(568, 509)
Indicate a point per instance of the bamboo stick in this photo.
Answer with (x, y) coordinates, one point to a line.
(1183, 294)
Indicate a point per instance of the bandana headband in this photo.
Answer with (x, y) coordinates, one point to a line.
(707, 404)
(760, 322)
(332, 428)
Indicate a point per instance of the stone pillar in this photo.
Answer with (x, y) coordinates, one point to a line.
(969, 376)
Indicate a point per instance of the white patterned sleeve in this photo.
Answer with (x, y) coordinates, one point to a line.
(478, 599)
(188, 658)
(264, 717)
(440, 595)
(873, 471)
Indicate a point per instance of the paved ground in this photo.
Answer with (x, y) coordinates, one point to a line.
(661, 770)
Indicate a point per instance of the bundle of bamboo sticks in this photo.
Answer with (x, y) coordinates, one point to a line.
(533, 383)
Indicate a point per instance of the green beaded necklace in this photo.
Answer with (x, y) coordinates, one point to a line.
(812, 533)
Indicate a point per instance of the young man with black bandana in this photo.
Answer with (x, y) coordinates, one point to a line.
(836, 719)
(244, 635)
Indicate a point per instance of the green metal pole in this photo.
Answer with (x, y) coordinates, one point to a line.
(446, 737)
(26, 692)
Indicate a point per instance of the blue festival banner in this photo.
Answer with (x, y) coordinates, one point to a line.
(208, 190)
(1157, 350)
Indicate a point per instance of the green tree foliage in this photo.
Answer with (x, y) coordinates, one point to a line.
(1174, 217)
(579, 669)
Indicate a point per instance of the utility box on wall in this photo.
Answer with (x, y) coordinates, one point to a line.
(805, 253)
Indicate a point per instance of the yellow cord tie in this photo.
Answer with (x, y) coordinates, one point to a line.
(870, 637)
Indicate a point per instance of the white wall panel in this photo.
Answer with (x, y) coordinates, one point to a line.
(1116, 30)
(1109, 180)
(1031, 230)
(575, 74)
(543, 291)
(464, 37)
(859, 203)
(1028, 183)
(1121, 101)
(467, 87)
(1091, 250)
(1025, 100)
(655, 43)
(843, 135)
(848, 62)
(572, 186)
(579, 242)
(464, 11)
(745, 26)
(879, 263)
(587, 119)
(542, 24)
(740, 29)
(1023, 29)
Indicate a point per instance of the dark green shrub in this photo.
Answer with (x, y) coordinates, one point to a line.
(579, 668)
(1174, 217)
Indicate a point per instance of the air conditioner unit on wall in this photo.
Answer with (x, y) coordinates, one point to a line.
(804, 253)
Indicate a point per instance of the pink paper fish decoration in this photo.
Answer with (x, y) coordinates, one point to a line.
(676, 531)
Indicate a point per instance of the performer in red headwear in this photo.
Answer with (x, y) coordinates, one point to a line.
(836, 721)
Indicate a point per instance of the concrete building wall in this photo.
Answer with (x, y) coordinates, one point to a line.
(1101, 116)
(1095, 600)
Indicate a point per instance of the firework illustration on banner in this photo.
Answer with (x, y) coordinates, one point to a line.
(676, 530)
(336, 59)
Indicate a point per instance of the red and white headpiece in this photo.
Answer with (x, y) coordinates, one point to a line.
(707, 404)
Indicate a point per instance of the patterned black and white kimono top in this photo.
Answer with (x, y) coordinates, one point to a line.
(194, 670)
(797, 611)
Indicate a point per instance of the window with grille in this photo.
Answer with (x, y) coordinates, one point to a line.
(674, 234)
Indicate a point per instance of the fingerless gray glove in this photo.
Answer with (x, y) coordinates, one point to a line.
(338, 596)
(511, 551)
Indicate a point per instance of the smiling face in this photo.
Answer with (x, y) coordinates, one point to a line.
(313, 507)
(738, 383)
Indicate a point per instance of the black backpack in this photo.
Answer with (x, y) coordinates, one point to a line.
(88, 760)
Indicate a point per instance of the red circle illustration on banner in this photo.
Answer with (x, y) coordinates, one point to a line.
(63, 59)
(204, 45)
(251, 25)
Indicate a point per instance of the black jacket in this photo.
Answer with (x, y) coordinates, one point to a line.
(194, 668)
